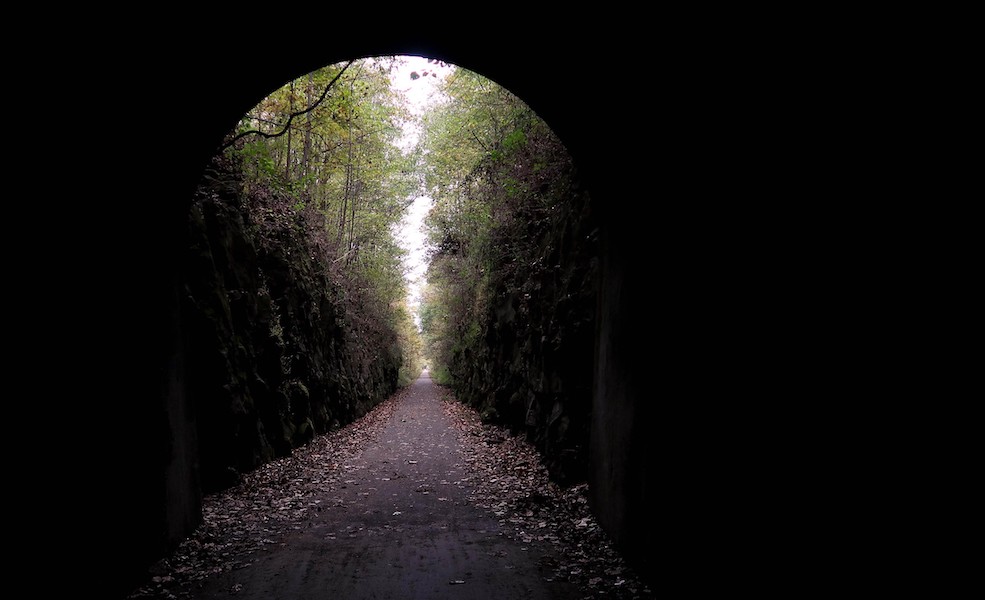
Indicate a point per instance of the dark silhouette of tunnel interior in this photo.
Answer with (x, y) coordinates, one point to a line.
(663, 139)
(619, 457)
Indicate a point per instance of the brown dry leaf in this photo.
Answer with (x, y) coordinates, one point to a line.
(504, 474)
(511, 481)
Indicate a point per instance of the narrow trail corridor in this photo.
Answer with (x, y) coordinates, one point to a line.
(393, 506)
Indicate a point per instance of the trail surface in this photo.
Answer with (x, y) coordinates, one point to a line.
(417, 499)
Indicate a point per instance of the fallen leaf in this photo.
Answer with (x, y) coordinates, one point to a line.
(497, 471)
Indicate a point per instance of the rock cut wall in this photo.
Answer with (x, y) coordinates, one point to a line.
(533, 370)
(273, 356)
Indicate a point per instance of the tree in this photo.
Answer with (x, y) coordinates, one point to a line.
(337, 159)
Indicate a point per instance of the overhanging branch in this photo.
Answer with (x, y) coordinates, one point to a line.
(292, 116)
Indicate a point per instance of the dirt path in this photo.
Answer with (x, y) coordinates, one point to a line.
(397, 523)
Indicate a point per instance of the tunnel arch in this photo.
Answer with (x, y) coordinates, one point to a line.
(161, 512)
(740, 164)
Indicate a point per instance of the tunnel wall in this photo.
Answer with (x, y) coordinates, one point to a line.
(624, 436)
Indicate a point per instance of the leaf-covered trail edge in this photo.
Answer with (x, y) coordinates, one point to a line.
(505, 476)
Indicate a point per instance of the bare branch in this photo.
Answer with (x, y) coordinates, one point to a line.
(292, 116)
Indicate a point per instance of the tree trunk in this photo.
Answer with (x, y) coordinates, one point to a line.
(287, 151)
(343, 209)
(307, 132)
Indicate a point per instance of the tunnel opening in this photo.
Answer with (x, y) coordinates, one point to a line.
(255, 381)
(742, 174)
(156, 523)
(326, 159)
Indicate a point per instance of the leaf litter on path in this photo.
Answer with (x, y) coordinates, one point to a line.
(509, 479)
(269, 503)
(505, 476)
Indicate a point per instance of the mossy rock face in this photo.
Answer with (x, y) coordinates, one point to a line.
(299, 390)
(322, 417)
(304, 433)
(288, 433)
(489, 415)
(298, 399)
(532, 368)
(271, 362)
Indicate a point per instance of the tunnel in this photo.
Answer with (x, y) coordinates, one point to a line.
(680, 321)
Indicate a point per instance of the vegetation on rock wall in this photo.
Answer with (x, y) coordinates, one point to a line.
(295, 309)
(508, 316)
(296, 312)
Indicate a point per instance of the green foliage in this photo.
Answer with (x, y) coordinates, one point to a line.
(514, 141)
(497, 175)
(495, 172)
(441, 375)
(411, 347)
(349, 184)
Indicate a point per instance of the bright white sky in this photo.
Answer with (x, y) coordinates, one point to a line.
(419, 93)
